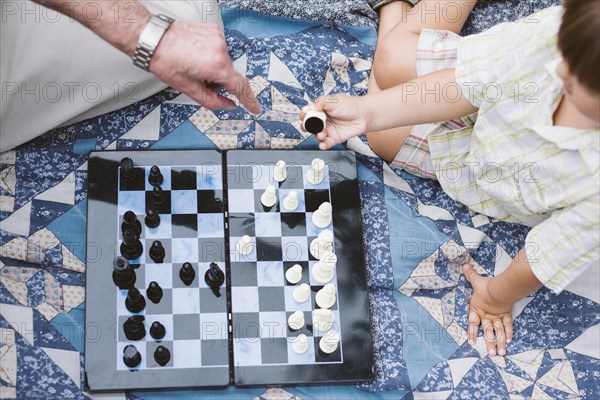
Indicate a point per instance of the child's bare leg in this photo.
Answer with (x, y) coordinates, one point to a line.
(395, 56)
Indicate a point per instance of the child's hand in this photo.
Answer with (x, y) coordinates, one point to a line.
(495, 317)
(346, 118)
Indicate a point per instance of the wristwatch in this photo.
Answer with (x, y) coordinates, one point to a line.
(149, 40)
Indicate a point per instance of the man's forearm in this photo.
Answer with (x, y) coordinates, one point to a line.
(516, 282)
(119, 22)
(431, 98)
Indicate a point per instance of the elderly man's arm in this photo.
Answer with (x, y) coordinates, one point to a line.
(191, 57)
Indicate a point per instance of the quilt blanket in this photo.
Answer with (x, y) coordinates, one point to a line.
(414, 237)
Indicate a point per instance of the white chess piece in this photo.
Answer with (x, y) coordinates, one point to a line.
(301, 293)
(291, 201)
(325, 297)
(323, 318)
(296, 320)
(322, 245)
(329, 342)
(300, 345)
(269, 197)
(280, 171)
(314, 121)
(294, 274)
(323, 270)
(316, 171)
(322, 217)
(244, 246)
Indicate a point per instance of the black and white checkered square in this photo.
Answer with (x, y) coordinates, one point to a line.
(262, 299)
(191, 230)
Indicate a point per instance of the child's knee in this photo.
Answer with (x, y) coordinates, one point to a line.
(381, 146)
(395, 61)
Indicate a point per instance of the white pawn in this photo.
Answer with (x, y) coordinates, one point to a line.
(325, 297)
(323, 270)
(296, 320)
(291, 201)
(244, 246)
(322, 217)
(329, 342)
(323, 318)
(315, 171)
(300, 345)
(280, 171)
(322, 245)
(301, 293)
(294, 274)
(268, 198)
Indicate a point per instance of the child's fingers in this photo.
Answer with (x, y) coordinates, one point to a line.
(327, 143)
(500, 337)
(489, 336)
(473, 326)
(508, 327)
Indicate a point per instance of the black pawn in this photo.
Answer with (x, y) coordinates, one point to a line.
(154, 292)
(158, 196)
(187, 274)
(123, 275)
(127, 171)
(155, 177)
(131, 248)
(162, 355)
(134, 328)
(131, 357)
(130, 222)
(152, 219)
(157, 330)
(214, 277)
(135, 302)
(157, 252)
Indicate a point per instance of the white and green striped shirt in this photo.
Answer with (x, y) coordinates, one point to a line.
(513, 164)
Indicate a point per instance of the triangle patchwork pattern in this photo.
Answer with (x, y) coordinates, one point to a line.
(147, 129)
(64, 192)
(280, 72)
(8, 179)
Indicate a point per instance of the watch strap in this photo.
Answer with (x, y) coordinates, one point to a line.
(149, 40)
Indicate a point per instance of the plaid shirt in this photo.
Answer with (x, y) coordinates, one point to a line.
(513, 164)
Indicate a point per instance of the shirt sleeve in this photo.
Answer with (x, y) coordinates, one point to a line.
(492, 63)
(566, 244)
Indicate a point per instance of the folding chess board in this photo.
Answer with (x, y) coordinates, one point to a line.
(236, 333)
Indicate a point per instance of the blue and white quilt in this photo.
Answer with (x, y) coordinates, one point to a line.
(414, 235)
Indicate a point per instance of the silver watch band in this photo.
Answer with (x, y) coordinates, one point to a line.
(149, 40)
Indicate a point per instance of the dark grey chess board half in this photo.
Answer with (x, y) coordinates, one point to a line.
(173, 301)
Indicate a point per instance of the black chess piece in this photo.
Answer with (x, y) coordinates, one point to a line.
(152, 219)
(157, 330)
(127, 171)
(130, 222)
(131, 357)
(157, 252)
(162, 355)
(187, 274)
(154, 292)
(123, 275)
(135, 302)
(155, 177)
(158, 196)
(131, 248)
(134, 328)
(214, 277)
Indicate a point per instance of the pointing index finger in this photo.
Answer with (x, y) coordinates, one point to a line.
(239, 86)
